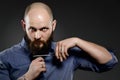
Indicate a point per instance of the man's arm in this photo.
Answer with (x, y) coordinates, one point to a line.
(99, 53)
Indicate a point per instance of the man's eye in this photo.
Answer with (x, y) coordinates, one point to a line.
(32, 29)
(44, 29)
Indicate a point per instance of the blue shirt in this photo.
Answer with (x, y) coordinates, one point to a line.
(15, 61)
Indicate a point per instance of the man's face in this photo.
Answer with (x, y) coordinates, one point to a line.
(38, 28)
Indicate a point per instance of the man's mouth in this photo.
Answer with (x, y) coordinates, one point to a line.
(36, 44)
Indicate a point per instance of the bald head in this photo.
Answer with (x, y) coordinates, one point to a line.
(38, 7)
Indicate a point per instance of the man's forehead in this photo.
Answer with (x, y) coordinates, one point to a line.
(38, 15)
(39, 25)
(38, 20)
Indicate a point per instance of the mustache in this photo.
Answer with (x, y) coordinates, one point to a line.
(37, 41)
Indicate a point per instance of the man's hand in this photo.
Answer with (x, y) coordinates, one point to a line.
(63, 46)
(36, 67)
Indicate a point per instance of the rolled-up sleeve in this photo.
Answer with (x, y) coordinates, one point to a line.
(87, 63)
(110, 64)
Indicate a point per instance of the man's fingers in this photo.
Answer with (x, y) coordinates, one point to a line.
(42, 64)
(66, 51)
(61, 51)
(57, 51)
(43, 69)
(39, 59)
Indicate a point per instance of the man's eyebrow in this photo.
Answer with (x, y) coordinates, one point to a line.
(44, 27)
(32, 27)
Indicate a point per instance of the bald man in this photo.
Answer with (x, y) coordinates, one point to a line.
(38, 57)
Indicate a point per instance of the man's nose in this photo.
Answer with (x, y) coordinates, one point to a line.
(37, 35)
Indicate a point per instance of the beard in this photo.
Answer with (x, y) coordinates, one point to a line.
(38, 47)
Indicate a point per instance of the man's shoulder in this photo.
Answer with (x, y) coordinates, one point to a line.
(10, 50)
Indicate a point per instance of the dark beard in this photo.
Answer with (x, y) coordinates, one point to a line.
(34, 47)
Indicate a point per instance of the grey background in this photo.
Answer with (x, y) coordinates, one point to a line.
(96, 21)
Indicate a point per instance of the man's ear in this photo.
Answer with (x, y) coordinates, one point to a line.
(54, 24)
(23, 24)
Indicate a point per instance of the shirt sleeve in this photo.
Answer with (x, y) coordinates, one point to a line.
(85, 62)
(4, 74)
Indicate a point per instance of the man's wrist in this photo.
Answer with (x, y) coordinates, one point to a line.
(76, 41)
(22, 78)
